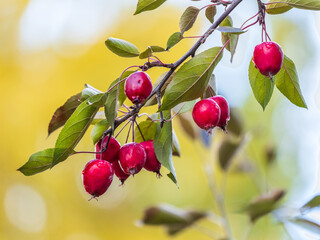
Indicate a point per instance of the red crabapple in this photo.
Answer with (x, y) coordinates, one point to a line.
(97, 177)
(111, 154)
(152, 163)
(206, 114)
(119, 172)
(268, 58)
(225, 111)
(132, 158)
(138, 87)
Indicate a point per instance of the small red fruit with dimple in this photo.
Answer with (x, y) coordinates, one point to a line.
(111, 153)
(138, 87)
(225, 111)
(97, 177)
(132, 158)
(206, 114)
(152, 163)
(268, 58)
(119, 172)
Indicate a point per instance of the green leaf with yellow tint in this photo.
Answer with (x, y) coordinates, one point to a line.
(122, 48)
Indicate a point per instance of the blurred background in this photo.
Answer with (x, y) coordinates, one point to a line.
(50, 48)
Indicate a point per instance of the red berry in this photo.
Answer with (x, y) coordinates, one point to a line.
(138, 87)
(132, 158)
(97, 177)
(152, 163)
(225, 111)
(111, 154)
(206, 114)
(119, 172)
(268, 58)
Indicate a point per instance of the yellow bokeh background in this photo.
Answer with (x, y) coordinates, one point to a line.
(53, 205)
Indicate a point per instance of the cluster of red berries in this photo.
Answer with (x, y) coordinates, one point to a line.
(128, 159)
(121, 161)
(268, 58)
(211, 112)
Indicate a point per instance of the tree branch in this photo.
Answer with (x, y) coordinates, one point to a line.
(136, 108)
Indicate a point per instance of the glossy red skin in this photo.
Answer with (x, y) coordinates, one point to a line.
(97, 177)
(152, 163)
(111, 154)
(268, 58)
(206, 114)
(138, 87)
(132, 158)
(225, 110)
(119, 172)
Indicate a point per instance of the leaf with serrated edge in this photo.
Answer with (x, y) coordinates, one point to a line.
(38, 162)
(115, 95)
(262, 86)
(304, 4)
(88, 91)
(98, 130)
(122, 48)
(188, 18)
(148, 5)
(73, 131)
(173, 40)
(62, 114)
(288, 83)
(277, 8)
(162, 144)
(191, 80)
(310, 205)
(211, 12)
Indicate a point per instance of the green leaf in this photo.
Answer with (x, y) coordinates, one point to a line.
(38, 162)
(184, 107)
(174, 39)
(227, 151)
(98, 130)
(73, 130)
(262, 86)
(122, 48)
(288, 83)
(114, 96)
(150, 50)
(228, 29)
(310, 205)
(211, 12)
(211, 88)
(62, 114)
(264, 204)
(148, 5)
(277, 8)
(191, 80)
(232, 45)
(186, 124)
(148, 129)
(307, 224)
(162, 144)
(153, 99)
(304, 4)
(175, 145)
(174, 219)
(88, 91)
(188, 18)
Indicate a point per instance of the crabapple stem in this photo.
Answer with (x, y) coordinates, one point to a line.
(159, 106)
(139, 130)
